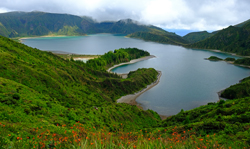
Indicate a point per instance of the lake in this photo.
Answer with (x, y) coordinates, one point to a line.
(187, 81)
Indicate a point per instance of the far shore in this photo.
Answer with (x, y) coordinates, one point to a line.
(214, 50)
(219, 51)
(246, 66)
(230, 62)
(31, 37)
(234, 54)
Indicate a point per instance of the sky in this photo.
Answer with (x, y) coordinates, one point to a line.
(195, 15)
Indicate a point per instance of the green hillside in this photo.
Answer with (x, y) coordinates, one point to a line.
(232, 39)
(39, 89)
(227, 122)
(127, 26)
(197, 36)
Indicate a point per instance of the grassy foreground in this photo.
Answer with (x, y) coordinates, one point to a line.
(89, 137)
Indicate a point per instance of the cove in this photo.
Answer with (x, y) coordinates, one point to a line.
(187, 80)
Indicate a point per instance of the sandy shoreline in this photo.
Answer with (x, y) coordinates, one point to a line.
(131, 98)
(82, 58)
(22, 38)
(131, 62)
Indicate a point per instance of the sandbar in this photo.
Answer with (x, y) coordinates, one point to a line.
(131, 62)
(131, 98)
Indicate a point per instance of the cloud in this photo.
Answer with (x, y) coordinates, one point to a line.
(177, 14)
(3, 10)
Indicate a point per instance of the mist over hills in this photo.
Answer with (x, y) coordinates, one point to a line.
(21, 24)
(17, 24)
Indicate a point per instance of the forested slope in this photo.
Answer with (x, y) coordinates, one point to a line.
(232, 39)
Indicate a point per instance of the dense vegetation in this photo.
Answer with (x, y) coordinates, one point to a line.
(227, 122)
(232, 39)
(214, 58)
(243, 61)
(118, 56)
(19, 24)
(40, 89)
(197, 36)
(239, 90)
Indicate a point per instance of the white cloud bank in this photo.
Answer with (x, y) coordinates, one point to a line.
(172, 14)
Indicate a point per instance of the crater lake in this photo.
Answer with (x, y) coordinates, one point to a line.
(187, 80)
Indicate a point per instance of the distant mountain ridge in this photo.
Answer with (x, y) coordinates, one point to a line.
(23, 24)
(194, 37)
(234, 39)
(18, 24)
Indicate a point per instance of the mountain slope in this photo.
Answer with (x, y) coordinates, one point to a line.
(38, 23)
(18, 24)
(3, 30)
(157, 34)
(197, 36)
(159, 37)
(232, 39)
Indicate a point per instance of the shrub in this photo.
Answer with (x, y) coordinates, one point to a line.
(16, 96)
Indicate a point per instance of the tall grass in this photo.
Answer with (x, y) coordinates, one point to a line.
(80, 137)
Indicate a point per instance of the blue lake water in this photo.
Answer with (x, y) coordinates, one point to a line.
(187, 81)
